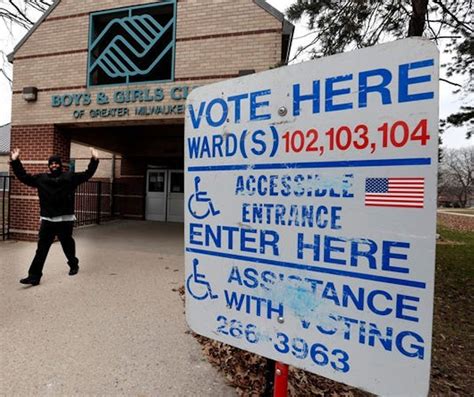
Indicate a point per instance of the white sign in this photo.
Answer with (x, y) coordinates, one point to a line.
(310, 214)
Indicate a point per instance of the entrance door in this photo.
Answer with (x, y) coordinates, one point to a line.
(156, 195)
(175, 196)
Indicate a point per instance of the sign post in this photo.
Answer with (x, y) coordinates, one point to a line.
(281, 380)
(311, 212)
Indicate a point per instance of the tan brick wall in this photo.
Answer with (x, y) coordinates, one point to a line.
(226, 55)
(47, 38)
(52, 71)
(81, 154)
(4, 159)
(200, 57)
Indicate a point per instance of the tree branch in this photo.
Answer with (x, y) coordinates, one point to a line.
(20, 12)
(445, 37)
(10, 81)
(450, 82)
(455, 18)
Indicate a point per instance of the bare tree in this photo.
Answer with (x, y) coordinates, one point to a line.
(457, 174)
(337, 26)
(22, 12)
(16, 17)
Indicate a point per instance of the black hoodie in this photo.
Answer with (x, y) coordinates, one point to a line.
(56, 192)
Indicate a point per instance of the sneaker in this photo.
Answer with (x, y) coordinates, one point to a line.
(74, 270)
(30, 280)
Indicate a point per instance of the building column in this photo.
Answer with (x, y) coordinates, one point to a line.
(36, 143)
(131, 189)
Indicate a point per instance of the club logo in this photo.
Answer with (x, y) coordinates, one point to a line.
(132, 45)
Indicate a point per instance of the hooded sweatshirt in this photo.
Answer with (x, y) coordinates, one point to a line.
(56, 191)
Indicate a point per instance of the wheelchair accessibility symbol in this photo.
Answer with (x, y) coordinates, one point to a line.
(200, 204)
(197, 285)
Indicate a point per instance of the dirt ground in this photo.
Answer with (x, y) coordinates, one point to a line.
(456, 222)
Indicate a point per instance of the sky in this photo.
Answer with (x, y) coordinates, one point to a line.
(449, 103)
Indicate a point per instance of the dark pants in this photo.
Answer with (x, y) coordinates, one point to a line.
(48, 231)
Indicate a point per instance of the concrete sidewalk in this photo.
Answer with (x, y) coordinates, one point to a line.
(115, 329)
(453, 212)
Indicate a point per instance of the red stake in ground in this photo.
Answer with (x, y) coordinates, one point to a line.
(280, 388)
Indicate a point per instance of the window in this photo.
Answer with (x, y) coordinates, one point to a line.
(177, 182)
(132, 45)
(156, 182)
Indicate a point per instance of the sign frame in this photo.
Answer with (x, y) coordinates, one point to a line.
(315, 249)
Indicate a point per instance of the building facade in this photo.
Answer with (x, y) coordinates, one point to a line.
(115, 75)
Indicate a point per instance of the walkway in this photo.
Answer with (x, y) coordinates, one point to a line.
(456, 212)
(115, 329)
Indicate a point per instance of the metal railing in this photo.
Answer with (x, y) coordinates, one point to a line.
(94, 202)
(5, 207)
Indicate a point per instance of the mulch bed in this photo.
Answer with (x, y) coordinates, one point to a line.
(247, 372)
(456, 222)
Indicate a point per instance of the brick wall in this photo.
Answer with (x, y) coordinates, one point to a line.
(39, 141)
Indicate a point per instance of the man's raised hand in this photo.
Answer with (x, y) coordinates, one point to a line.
(15, 153)
(94, 153)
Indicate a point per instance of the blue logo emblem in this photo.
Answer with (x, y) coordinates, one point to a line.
(132, 45)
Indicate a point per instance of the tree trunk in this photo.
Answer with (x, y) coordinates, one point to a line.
(418, 17)
(463, 200)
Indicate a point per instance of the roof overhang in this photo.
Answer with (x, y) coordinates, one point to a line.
(5, 139)
(287, 27)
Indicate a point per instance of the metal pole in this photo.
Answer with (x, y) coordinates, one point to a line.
(3, 208)
(112, 199)
(281, 380)
(99, 201)
(9, 201)
(269, 377)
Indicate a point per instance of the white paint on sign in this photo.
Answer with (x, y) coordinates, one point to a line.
(310, 233)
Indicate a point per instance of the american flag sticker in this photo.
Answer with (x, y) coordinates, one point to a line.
(395, 192)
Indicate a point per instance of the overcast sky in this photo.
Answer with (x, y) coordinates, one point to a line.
(454, 138)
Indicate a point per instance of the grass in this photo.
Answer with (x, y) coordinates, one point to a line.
(453, 324)
(456, 257)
